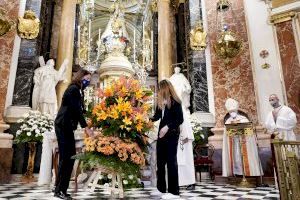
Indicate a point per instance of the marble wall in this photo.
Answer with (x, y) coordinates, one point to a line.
(234, 81)
(197, 62)
(6, 46)
(55, 28)
(290, 65)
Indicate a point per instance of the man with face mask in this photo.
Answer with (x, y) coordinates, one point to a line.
(231, 152)
(281, 120)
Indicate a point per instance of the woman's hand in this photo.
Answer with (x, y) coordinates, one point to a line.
(89, 132)
(163, 131)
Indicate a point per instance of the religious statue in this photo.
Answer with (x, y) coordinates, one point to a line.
(231, 152)
(182, 88)
(45, 79)
(185, 156)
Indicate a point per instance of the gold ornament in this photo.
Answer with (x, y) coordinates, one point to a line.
(29, 25)
(28, 176)
(227, 46)
(5, 24)
(198, 38)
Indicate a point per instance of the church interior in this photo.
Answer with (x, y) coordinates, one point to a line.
(234, 65)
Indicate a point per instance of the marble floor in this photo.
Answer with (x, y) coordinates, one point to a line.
(203, 191)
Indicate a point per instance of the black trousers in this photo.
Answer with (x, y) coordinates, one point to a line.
(167, 154)
(66, 146)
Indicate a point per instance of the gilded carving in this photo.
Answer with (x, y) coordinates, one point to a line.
(282, 17)
(154, 5)
(198, 38)
(29, 25)
(5, 24)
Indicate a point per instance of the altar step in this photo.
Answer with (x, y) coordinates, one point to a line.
(236, 180)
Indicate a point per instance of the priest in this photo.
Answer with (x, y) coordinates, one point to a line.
(231, 153)
(281, 119)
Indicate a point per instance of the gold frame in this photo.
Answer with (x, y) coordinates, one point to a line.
(282, 17)
(198, 37)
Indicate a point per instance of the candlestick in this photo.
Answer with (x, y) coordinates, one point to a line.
(134, 45)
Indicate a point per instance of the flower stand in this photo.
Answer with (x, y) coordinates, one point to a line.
(93, 180)
(28, 176)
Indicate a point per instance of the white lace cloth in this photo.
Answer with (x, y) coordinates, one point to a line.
(49, 144)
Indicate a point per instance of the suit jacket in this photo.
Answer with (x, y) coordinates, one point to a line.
(173, 117)
(71, 110)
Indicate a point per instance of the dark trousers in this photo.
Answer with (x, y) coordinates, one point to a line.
(167, 154)
(66, 146)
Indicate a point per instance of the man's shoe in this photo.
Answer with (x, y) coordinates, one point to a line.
(62, 195)
(190, 187)
(170, 196)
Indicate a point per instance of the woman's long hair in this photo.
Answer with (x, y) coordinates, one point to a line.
(166, 92)
(79, 75)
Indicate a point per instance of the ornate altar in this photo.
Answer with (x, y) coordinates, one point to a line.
(241, 130)
(114, 43)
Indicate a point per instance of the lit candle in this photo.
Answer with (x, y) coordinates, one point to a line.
(99, 36)
(90, 26)
(78, 37)
(134, 45)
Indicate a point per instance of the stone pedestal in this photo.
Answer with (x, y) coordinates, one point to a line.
(14, 113)
(264, 150)
(6, 154)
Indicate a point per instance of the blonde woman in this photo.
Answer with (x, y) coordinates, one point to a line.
(169, 111)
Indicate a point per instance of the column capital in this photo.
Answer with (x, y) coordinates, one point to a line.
(282, 17)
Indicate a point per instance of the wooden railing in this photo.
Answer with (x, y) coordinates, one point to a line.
(288, 165)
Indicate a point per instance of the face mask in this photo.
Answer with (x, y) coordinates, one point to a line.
(233, 114)
(85, 83)
(274, 104)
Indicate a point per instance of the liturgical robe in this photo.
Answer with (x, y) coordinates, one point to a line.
(286, 121)
(185, 156)
(231, 154)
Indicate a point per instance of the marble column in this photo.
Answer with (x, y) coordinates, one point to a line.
(164, 40)
(6, 46)
(66, 44)
(290, 64)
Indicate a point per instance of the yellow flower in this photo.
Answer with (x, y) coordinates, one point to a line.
(124, 90)
(146, 106)
(108, 92)
(114, 114)
(139, 94)
(127, 121)
(122, 127)
(138, 117)
(120, 100)
(139, 127)
(102, 115)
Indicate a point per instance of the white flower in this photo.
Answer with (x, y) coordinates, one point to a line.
(28, 134)
(26, 115)
(37, 131)
(34, 126)
(106, 185)
(125, 182)
(109, 176)
(100, 177)
(20, 121)
(18, 132)
(130, 177)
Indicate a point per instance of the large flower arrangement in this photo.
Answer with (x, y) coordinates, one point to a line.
(121, 118)
(198, 132)
(33, 126)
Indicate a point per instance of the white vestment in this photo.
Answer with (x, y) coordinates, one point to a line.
(182, 88)
(231, 154)
(286, 121)
(185, 155)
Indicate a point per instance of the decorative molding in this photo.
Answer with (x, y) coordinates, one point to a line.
(282, 17)
(278, 3)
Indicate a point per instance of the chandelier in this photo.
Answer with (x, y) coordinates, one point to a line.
(226, 46)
